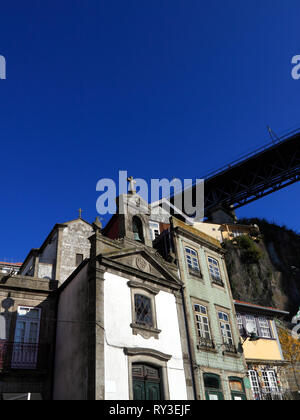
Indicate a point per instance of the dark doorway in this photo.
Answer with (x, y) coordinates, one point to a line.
(146, 382)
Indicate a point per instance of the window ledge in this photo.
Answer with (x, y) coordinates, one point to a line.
(206, 348)
(145, 331)
(218, 283)
(195, 273)
(231, 354)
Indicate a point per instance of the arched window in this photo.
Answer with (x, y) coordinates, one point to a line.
(192, 261)
(137, 227)
(214, 271)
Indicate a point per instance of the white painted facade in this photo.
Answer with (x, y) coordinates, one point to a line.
(119, 334)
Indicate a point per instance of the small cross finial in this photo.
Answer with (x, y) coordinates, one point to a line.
(132, 182)
(80, 212)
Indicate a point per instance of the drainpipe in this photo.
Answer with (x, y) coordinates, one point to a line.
(189, 342)
(175, 241)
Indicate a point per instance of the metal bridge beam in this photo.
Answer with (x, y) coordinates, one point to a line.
(261, 173)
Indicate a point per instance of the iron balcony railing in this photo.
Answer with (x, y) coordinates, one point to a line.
(216, 280)
(205, 343)
(271, 394)
(15, 355)
(195, 272)
(229, 348)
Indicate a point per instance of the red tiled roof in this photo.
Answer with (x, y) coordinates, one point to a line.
(9, 263)
(258, 306)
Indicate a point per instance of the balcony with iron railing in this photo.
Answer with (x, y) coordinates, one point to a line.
(216, 280)
(205, 344)
(23, 356)
(271, 394)
(229, 348)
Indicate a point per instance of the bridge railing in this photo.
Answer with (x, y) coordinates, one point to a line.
(250, 154)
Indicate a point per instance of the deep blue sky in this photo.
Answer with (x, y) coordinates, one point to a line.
(162, 88)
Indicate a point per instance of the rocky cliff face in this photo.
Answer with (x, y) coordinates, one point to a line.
(266, 271)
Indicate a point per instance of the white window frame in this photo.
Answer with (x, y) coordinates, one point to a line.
(264, 327)
(154, 226)
(25, 351)
(270, 381)
(201, 319)
(240, 323)
(226, 330)
(214, 270)
(254, 381)
(192, 259)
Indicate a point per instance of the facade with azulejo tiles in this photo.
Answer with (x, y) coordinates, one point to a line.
(219, 369)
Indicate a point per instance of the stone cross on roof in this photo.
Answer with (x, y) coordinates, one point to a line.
(80, 212)
(132, 182)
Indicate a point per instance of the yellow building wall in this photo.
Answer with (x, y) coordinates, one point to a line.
(262, 350)
(211, 229)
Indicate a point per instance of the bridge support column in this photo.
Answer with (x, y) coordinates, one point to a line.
(222, 215)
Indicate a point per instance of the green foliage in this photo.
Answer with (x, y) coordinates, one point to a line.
(270, 230)
(250, 253)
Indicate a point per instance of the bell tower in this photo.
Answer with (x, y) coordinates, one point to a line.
(133, 215)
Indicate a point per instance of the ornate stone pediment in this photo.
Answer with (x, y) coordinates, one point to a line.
(141, 262)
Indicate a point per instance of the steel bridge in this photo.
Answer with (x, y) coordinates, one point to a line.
(256, 175)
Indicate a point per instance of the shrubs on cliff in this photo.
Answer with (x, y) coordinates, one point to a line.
(250, 253)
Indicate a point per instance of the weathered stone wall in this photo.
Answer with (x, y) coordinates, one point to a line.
(74, 241)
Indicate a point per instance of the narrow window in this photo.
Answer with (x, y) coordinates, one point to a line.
(143, 311)
(192, 261)
(254, 384)
(137, 227)
(214, 271)
(202, 325)
(240, 323)
(25, 346)
(226, 332)
(264, 326)
(79, 259)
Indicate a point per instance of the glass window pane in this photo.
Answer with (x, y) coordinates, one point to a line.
(143, 310)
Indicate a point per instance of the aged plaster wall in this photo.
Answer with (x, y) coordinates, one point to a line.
(70, 366)
(45, 271)
(118, 333)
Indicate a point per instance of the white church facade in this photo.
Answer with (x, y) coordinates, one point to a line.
(124, 335)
